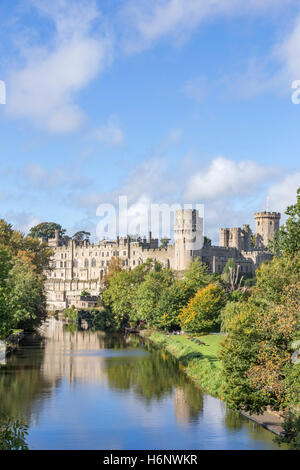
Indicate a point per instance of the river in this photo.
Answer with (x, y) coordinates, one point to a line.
(87, 390)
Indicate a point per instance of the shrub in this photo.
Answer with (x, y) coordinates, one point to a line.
(202, 314)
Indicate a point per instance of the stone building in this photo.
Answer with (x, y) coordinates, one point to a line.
(82, 266)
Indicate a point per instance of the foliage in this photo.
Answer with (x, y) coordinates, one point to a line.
(287, 240)
(197, 276)
(291, 431)
(256, 352)
(202, 312)
(105, 321)
(25, 296)
(85, 293)
(206, 242)
(230, 310)
(26, 248)
(12, 434)
(6, 322)
(164, 242)
(170, 303)
(81, 236)
(46, 230)
(71, 313)
(115, 266)
(147, 296)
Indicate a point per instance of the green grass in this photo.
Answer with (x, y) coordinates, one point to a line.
(200, 362)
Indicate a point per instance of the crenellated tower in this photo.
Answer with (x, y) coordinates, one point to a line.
(267, 224)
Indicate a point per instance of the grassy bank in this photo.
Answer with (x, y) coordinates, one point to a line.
(200, 361)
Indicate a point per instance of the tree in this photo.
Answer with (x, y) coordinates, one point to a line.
(287, 240)
(148, 294)
(197, 276)
(164, 242)
(202, 312)
(115, 266)
(81, 236)
(231, 275)
(25, 296)
(118, 297)
(171, 301)
(206, 242)
(12, 434)
(5, 313)
(257, 351)
(46, 230)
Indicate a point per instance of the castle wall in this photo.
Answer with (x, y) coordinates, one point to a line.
(82, 266)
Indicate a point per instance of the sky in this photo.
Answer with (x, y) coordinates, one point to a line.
(168, 101)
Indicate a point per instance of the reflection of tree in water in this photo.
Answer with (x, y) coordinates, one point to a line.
(154, 377)
(235, 421)
(21, 380)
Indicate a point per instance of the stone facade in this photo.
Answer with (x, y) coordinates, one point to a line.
(82, 266)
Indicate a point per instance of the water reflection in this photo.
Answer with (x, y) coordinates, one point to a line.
(119, 392)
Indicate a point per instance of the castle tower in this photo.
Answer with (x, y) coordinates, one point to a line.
(267, 224)
(188, 234)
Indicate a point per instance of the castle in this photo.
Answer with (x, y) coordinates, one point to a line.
(82, 266)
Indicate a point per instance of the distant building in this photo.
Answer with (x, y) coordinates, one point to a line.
(82, 266)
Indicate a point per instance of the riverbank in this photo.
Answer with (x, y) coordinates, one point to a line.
(10, 343)
(198, 355)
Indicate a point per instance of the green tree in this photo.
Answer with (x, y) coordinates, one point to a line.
(164, 242)
(287, 240)
(25, 299)
(46, 230)
(6, 322)
(147, 296)
(81, 236)
(170, 303)
(197, 276)
(12, 434)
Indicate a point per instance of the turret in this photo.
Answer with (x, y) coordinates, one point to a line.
(267, 224)
(188, 237)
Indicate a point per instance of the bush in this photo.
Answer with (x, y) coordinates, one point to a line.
(71, 313)
(12, 434)
(202, 314)
(104, 320)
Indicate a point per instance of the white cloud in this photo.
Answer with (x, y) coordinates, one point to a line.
(149, 22)
(22, 221)
(284, 193)
(224, 177)
(111, 133)
(44, 88)
(35, 176)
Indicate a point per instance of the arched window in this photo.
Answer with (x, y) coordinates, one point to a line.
(93, 263)
(86, 263)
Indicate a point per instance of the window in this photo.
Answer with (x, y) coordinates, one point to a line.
(61, 264)
(75, 264)
(93, 263)
(86, 263)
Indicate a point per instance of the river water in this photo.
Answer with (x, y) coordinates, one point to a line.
(88, 390)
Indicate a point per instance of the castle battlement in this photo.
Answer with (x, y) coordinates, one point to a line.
(82, 266)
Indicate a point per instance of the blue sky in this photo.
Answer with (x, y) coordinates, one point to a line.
(168, 101)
